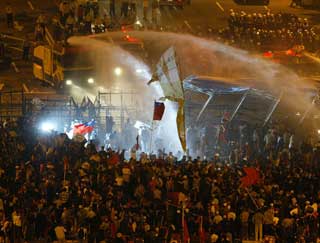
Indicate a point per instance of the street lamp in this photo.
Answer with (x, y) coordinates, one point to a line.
(69, 82)
(118, 71)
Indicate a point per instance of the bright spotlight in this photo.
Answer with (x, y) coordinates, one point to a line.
(117, 71)
(90, 80)
(138, 23)
(139, 70)
(69, 82)
(47, 127)
(319, 131)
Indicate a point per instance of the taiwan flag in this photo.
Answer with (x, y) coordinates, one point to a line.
(83, 128)
(158, 111)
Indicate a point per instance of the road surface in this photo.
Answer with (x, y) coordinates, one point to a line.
(195, 18)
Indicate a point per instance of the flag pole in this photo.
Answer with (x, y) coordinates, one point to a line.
(64, 174)
(253, 200)
(182, 219)
(151, 137)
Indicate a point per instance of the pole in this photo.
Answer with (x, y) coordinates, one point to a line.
(182, 219)
(151, 137)
(201, 229)
(253, 200)
(64, 175)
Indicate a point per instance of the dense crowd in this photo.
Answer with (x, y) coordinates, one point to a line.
(269, 31)
(54, 188)
(87, 17)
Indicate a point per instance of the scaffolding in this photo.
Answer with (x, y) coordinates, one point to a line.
(121, 105)
(118, 104)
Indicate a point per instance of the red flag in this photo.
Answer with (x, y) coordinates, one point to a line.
(159, 108)
(173, 197)
(186, 232)
(252, 177)
(114, 159)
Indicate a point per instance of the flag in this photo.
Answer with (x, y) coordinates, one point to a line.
(74, 104)
(96, 101)
(83, 128)
(159, 108)
(252, 177)
(137, 146)
(181, 125)
(84, 103)
(167, 73)
(186, 232)
(114, 159)
(90, 104)
(173, 197)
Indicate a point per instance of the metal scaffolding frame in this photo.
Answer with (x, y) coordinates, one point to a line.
(204, 106)
(310, 107)
(121, 105)
(272, 109)
(244, 96)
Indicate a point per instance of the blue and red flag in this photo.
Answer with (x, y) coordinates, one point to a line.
(84, 128)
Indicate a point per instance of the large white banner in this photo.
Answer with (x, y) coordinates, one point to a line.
(168, 74)
(171, 84)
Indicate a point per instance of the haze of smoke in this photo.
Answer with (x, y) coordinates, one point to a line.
(106, 59)
(196, 56)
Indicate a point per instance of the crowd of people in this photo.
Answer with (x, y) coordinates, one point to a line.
(87, 17)
(269, 31)
(53, 188)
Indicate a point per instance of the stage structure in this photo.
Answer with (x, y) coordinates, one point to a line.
(213, 96)
(63, 109)
(121, 105)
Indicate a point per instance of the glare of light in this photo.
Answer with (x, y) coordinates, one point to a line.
(138, 23)
(117, 71)
(139, 70)
(47, 126)
(319, 131)
(69, 82)
(298, 114)
(90, 80)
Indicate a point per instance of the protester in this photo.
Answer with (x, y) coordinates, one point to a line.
(9, 16)
(70, 190)
(26, 49)
(269, 31)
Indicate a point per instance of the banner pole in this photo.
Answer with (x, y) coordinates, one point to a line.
(151, 138)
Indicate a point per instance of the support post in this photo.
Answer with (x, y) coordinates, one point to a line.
(204, 106)
(309, 108)
(182, 219)
(244, 96)
(151, 137)
(273, 108)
